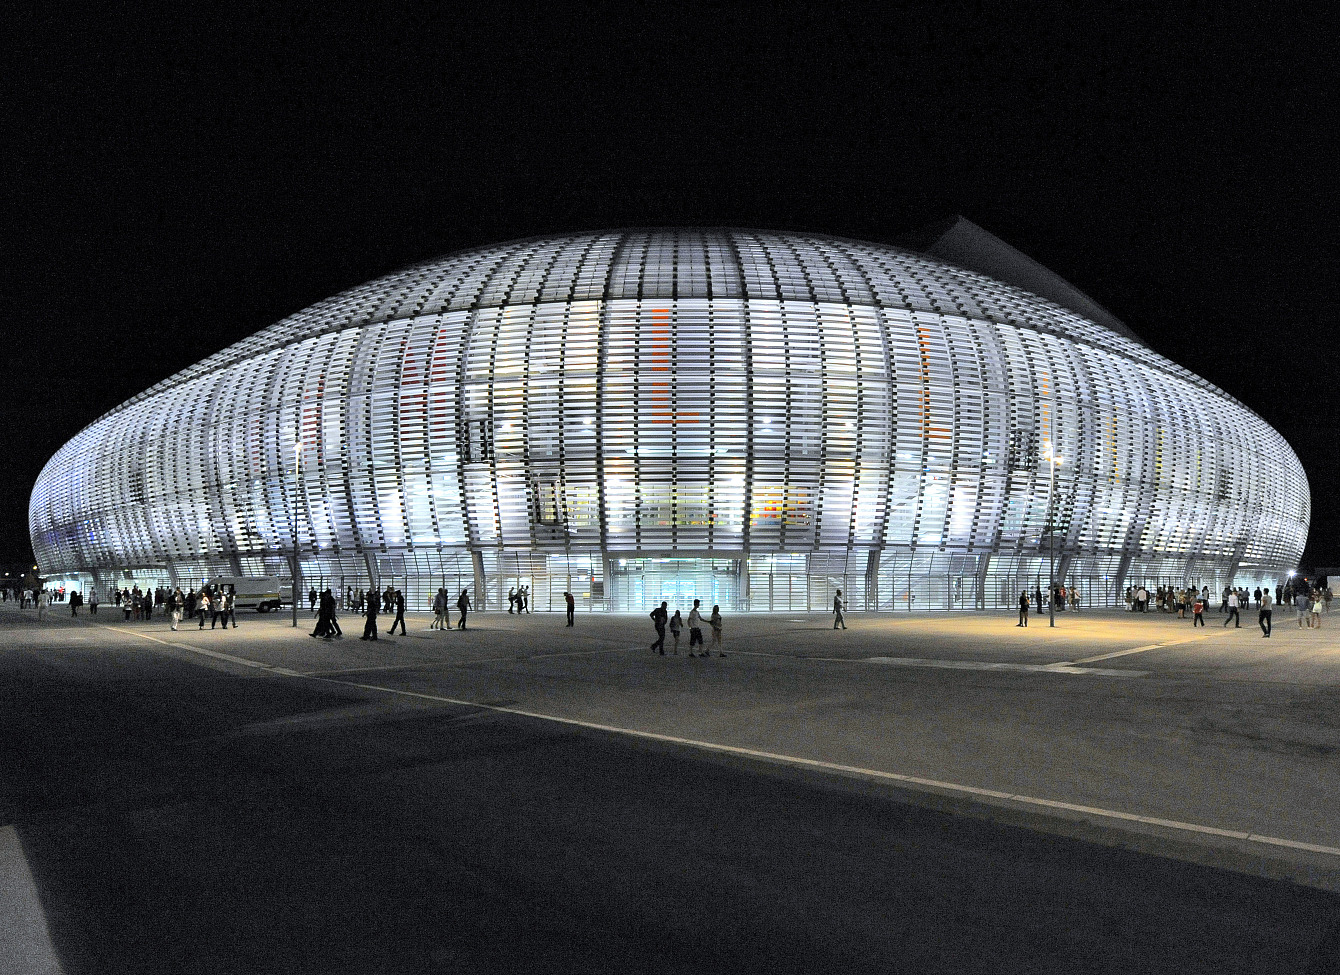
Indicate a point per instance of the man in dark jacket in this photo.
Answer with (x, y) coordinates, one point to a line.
(374, 604)
(659, 616)
(399, 613)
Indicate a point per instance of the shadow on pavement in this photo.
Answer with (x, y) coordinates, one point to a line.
(201, 822)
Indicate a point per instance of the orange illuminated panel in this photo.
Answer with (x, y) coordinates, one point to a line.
(661, 411)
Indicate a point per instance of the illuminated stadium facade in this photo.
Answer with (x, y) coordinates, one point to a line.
(751, 418)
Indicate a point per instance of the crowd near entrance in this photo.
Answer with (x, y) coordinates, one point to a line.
(885, 582)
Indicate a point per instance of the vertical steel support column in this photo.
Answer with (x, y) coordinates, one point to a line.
(1123, 570)
(1051, 541)
(477, 558)
(872, 581)
(296, 571)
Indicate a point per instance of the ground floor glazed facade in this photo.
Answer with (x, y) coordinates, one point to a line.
(780, 583)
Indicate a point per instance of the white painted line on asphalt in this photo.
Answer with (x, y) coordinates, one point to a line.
(369, 670)
(988, 665)
(1122, 653)
(461, 662)
(25, 940)
(574, 653)
(914, 780)
(217, 655)
(1109, 656)
(898, 777)
(1060, 668)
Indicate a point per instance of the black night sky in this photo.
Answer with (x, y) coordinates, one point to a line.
(173, 185)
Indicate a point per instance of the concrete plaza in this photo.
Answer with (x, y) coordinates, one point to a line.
(1212, 748)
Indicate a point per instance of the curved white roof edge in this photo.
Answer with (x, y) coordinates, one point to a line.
(960, 241)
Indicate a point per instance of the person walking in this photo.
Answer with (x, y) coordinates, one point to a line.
(322, 628)
(1233, 611)
(399, 613)
(328, 600)
(572, 606)
(1318, 606)
(837, 611)
(1023, 609)
(202, 606)
(439, 608)
(695, 629)
(462, 604)
(1198, 612)
(92, 602)
(659, 616)
(676, 624)
(373, 606)
(311, 600)
(1264, 614)
(715, 622)
(511, 600)
(1300, 606)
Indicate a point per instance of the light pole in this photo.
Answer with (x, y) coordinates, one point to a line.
(1051, 537)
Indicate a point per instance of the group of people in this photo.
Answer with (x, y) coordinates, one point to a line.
(1309, 602)
(1062, 596)
(219, 603)
(442, 609)
(36, 597)
(42, 599)
(391, 598)
(660, 616)
(1166, 599)
(518, 600)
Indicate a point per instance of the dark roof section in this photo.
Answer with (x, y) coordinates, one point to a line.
(960, 241)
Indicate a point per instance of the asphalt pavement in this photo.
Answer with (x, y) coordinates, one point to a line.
(917, 793)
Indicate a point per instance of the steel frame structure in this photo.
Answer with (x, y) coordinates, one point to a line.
(760, 417)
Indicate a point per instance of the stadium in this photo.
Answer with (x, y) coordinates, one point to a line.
(753, 418)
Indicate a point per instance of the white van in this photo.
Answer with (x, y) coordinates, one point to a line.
(262, 593)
